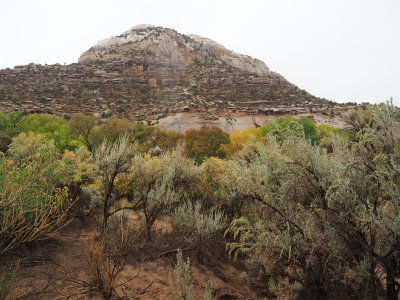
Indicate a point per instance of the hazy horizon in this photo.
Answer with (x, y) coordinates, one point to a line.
(338, 50)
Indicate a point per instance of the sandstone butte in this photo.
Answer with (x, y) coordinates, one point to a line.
(157, 76)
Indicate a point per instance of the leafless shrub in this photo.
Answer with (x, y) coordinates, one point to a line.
(105, 258)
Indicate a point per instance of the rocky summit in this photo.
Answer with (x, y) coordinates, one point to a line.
(157, 76)
(163, 45)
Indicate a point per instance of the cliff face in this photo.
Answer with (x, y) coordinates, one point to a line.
(156, 76)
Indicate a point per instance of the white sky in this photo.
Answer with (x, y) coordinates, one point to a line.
(343, 50)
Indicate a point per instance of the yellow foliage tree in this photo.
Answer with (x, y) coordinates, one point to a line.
(240, 137)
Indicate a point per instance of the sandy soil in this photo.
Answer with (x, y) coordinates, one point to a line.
(45, 265)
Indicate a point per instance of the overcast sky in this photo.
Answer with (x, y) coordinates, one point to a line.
(342, 50)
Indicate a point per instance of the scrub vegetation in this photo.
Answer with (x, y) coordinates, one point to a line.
(305, 211)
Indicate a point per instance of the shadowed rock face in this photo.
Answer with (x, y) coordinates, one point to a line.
(164, 45)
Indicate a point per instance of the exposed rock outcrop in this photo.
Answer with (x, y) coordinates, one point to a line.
(182, 122)
(240, 61)
(164, 45)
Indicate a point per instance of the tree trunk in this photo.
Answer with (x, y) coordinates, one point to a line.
(148, 226)
(105, 218)
(106, 200)
(392, 292)
(148, 233)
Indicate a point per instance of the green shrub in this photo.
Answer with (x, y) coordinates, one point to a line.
(182, 281)
(7, 278)
(111, 161)
(328, 135)
(181, 284)
(161, 183)
(301, 125)
(322, 224)
(27, 146)
(33, 202)
(197, 227)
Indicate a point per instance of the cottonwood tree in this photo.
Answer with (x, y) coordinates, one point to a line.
(10, 122)
(115, 128)
(205, 142)
(82, 127)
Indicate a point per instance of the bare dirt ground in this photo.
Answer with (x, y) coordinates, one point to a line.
(46, 268)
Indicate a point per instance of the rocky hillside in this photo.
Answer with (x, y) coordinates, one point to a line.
(155, 75)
